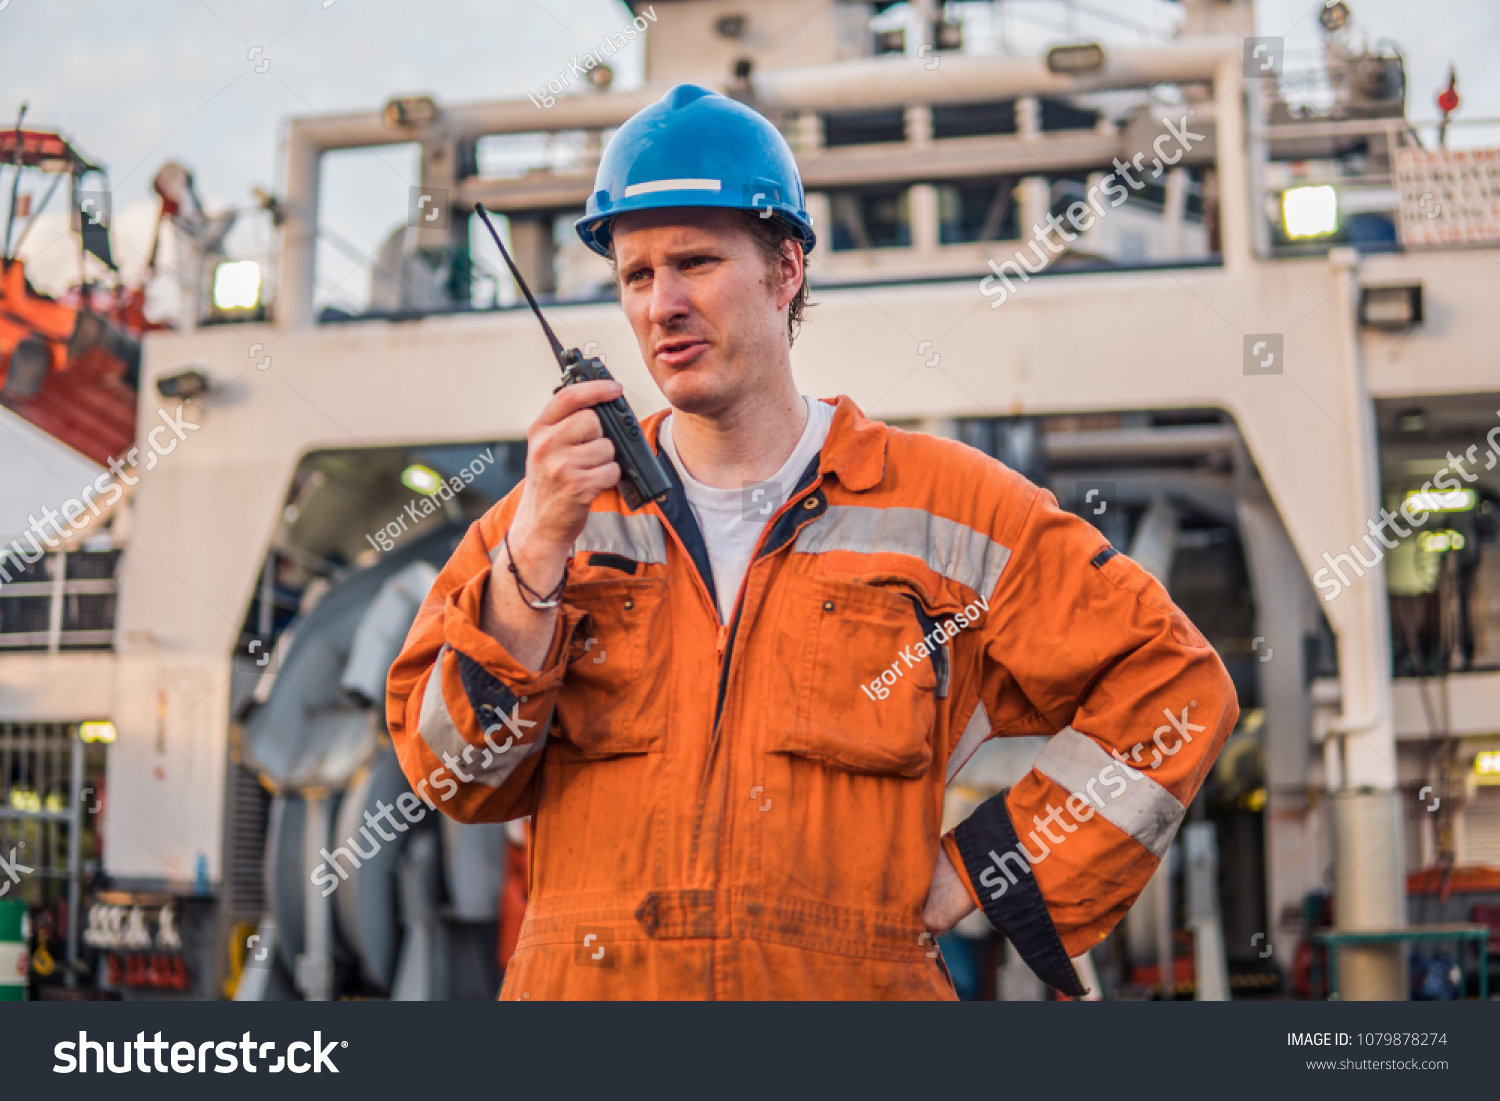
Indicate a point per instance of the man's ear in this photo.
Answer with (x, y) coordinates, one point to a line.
(791, 268)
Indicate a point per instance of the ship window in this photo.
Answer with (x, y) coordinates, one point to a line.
(962, 120)
(977, 210)
(870, 218)
(509, 156)
(1060, 115)
(864, 127)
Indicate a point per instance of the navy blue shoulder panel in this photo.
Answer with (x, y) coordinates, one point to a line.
(790, 521)
(680, 515)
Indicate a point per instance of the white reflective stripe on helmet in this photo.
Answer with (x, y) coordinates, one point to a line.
(653, 186)
(1144, 809)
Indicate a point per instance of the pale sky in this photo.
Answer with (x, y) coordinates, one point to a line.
(136, 84)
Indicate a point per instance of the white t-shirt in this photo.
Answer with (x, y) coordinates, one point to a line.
(732, 519)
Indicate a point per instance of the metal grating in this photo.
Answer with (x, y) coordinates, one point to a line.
(245, 843)
(49, 792)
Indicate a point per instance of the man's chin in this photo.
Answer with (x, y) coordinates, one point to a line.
(693, 390)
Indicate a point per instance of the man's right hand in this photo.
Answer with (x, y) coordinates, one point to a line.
(569, 462)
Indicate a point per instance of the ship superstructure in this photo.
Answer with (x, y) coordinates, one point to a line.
(1203, 302)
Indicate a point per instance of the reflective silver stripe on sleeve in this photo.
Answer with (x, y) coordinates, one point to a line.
(639, 537)
(973, 737)
(1144, 809)
(954, 550)
(490, 764)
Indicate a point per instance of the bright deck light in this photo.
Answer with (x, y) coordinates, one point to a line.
(237, 285)
(422, 479)
(1310, 211)
(1437, 500)
(97, 731)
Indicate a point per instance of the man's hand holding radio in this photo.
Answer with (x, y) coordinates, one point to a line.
(569, 462)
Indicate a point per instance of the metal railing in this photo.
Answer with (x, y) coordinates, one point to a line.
(42, 817)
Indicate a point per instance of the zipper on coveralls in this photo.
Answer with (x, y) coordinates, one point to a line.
(726, 635)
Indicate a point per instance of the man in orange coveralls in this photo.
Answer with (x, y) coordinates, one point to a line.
(732, 714)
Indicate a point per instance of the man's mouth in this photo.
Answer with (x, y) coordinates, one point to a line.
(679, 352)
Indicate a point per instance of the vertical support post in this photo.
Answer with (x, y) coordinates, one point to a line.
(918, 125)
(1200, 850)
(299, 230)
(1035, 200)
(1172, 213)
(924, 218)
(808, 132)
(265, 609)
(1236, 213)
(1028, 117)
(1367, 812)
(1161, 884)
(1258, 152)
(531, 244)
(59, 560)
(1283, 604)
(75, 852)
(315, 964)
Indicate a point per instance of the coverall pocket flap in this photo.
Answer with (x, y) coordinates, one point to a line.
(610, 704)
(864, 683)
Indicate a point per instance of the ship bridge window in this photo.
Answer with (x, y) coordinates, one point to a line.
(868, 218)
(977, 210)
(1059, 114)
(962, 120)
(864, 127)
(1066, 187)
(507, 156)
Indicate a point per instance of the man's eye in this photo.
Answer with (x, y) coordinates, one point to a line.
(637, 276)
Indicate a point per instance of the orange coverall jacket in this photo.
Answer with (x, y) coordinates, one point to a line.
(753, 810)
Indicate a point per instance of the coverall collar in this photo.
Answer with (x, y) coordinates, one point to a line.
(854, 451)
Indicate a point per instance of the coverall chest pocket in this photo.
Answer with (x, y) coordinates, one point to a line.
(865, 695)
(611, 702)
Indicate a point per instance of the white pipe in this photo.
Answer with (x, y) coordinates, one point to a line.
(853, 84)
(896, 81)
(1233, 167)
(1364, 639)
(1189, 441)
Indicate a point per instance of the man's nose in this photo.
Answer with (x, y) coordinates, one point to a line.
(669, 299)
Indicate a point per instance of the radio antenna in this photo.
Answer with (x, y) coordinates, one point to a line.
(557, 348)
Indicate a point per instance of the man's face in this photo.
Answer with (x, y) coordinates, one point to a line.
(706, 306)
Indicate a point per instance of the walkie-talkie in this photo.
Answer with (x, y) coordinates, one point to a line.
(642, 478)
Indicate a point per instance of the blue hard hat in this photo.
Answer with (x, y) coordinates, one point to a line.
(695, 147)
